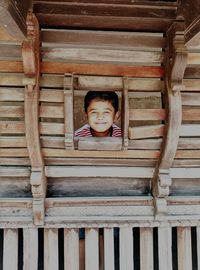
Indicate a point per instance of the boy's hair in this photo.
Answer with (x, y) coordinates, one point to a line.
(112, 97)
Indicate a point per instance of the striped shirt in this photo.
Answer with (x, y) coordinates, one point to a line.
(85, 131)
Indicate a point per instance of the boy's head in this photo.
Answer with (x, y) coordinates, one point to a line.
(101, 109)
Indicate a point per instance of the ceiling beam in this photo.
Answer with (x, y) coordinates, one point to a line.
(191, 12)
(138, 16)
(13, 16)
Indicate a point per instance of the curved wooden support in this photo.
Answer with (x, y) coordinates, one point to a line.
(31, 64)
(176, 61)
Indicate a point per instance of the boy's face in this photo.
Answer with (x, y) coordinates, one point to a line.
(100, 116)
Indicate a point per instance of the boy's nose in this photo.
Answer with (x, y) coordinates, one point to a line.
(100, 115)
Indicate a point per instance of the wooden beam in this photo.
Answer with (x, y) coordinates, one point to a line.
(13, 16)
(31, 64)
(129, 16)
(176, 61)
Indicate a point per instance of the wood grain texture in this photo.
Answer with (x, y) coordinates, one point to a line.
(165, 248)
(51, 249)
(146, 249)
(109, 248)
(10, 244)
(126, 248)
(71, 249)
(91, 249)
(184, 248)
(30, 248)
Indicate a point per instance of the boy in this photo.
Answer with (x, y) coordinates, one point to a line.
(101, 111)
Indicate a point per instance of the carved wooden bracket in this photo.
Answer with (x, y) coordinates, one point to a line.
(69, 112)
(175, 64)
(31, 64)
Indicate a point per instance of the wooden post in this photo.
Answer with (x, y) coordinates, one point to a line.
(125, 113)
(30, 249)
(108, 249)
(175, 61)
(165, 248)
(31, 64)
(126, 248)
(69, 113)
(50, 249)
(184, 248)
(71, 249)
(146, 249)
(10, 246)
(91, 249)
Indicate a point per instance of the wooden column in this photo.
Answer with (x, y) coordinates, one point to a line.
(69, 112)
(125, 113)
(175, 64)
(31, 64)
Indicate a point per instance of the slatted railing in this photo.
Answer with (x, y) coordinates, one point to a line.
(109, 248)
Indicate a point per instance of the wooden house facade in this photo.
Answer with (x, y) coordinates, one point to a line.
(135, 199)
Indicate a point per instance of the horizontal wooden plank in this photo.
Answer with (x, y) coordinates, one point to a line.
(193, 58)
(146, 131)
(90, 55)
(11, 94)
(185, 172)
(52, 142)
(145, 144)
(103, 39)
(96, 154)
(51, 95)
(11, 111)
(51, 111)
(189, 154)
(101, 161)
(191, 114)
(90, 69)
(190, 99)
(191, 84)
(12, 127)
(15, 161)
(186, 163)
(102, 9)
(14, 152)
(10, 51)
(14, 172)
(191, 130)
(98, 171)
(189, 143)
(6, 141)
(100, 69)
(100, 144)
(52, 128)
(147, 114)
(98, 186)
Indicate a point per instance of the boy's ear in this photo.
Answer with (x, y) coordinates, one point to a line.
(85, 116)
(117, 116)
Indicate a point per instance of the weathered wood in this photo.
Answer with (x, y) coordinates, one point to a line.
(31, 65)
(125, 114)
(13, 171)
(191, 84)
(147, 114)
(11, 111)
(15, 161)
(51, 249)
(198, 245)
(165, 248)
(100, 144)
(47, 152)
(92, 186)
(90, 55)
(145, 144)
(71, 249)
(69, 115)
(11, 94)
(184, 248)
(91, 249)
(191, 114)
(189, 154)
(101, 161)
(13, 17)
(12, 127)
(146, 249)
(6, 141)
(126, 248)
(126, 40)
(184, 172)
(88, 69)
(10, 244)
(14, 152)
(190, 99)
(30, 249)
(103, 16)
(86, 171)
(108, 249)
(146, 131)
(190, 130)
